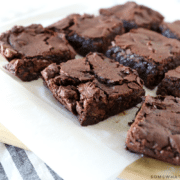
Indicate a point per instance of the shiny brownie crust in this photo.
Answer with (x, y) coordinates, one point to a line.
(88, 33)
(152, 56)
(155, 132)
(135, 16)
(34, 41)
(94, 88)
(30, 49)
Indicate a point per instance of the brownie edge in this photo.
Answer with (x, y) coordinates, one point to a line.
(148, 52)
(94, 88)
(170, 30)
(88, 33)
(170, 85)
(156, 130)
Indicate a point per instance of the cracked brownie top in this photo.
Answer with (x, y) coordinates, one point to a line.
(89, 33)
(156, 130)
(34, 41)
(149, 44)
(140, 15)
(94, 66)
(88, 26)
(94, 87)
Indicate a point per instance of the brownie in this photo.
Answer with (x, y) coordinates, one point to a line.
(170, 85)
(30, 49)
(150, 53)
(88, 33)
(64, 24)
(134, 16)
(94, 87)
(171, 30)
(27, 69)
(156, 130)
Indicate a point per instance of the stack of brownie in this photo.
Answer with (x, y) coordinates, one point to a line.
(125, 47)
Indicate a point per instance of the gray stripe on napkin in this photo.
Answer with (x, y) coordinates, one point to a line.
(22, 163)
(55, 176)
(3, 175)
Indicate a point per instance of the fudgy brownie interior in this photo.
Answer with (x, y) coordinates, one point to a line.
(150, 53)
(88, 33)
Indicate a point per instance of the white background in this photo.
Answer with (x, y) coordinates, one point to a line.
(11, 9)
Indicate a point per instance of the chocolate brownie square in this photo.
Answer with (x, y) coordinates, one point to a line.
(94, 87)
(170, 30)
(135, 16)
(30, 49)
(170, 85)
(88, 33)
(156, 130)
(150, 53)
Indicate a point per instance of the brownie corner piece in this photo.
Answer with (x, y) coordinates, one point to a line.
(88, 33)
(156, 129)
(94, 87)
(135, 16)
(150, 53)
(170, 30)
(30, 49)
(170, 85)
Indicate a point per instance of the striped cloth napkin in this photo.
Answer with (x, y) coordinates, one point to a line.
(17, 162)
(20, 164)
